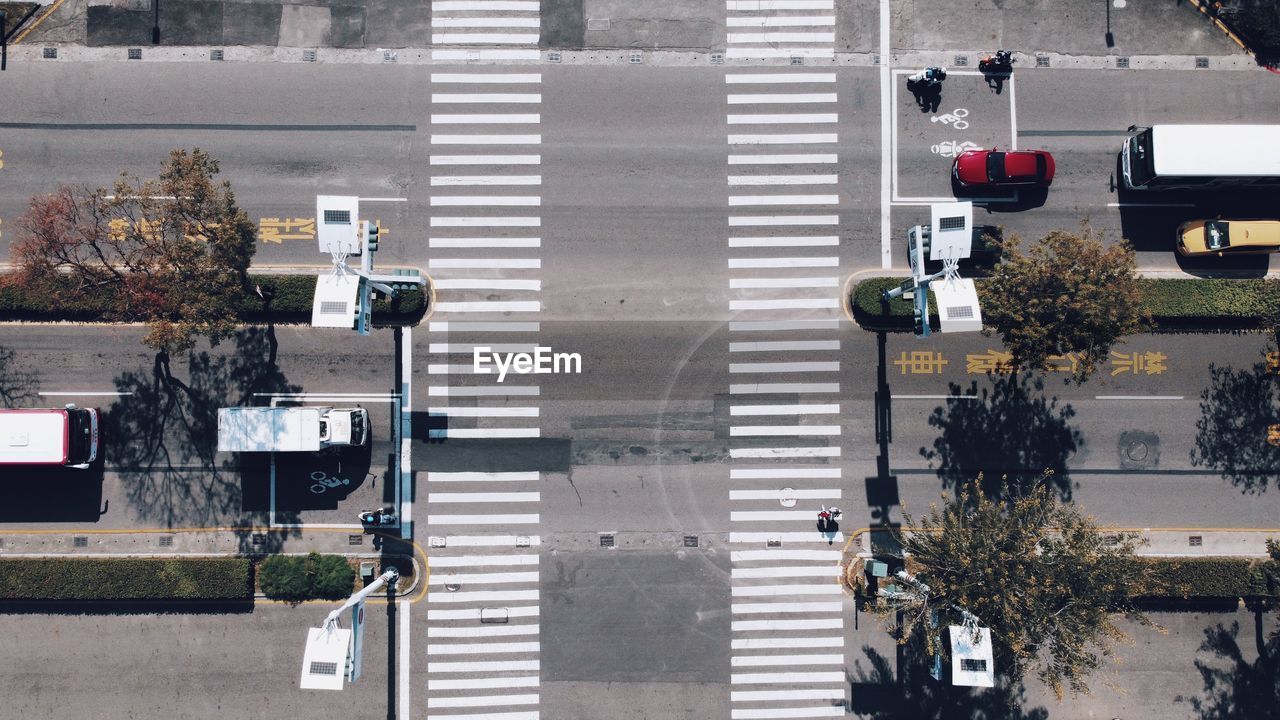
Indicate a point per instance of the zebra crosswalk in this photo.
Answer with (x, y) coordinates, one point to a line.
(483, 608)
(787, 647)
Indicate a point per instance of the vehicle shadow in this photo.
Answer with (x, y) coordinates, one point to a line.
(1237, 409)
(1010, 432)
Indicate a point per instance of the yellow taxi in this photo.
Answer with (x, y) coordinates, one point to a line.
(1228, 237)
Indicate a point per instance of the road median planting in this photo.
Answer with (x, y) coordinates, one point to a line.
(126, 579)
(1174, 304)
(285, 299)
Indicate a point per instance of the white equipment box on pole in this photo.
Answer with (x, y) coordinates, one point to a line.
(958, 309)
(324, 662)
(971, 657)
(336, 301)
(952, 236)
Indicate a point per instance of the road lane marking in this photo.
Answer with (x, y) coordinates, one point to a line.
(1137, 397)
(771, 473)
(771, 78)
(779, 325)
(785, 346)
(85, 394)
(783, 430)
(483, 77)
(782, 388)
(436, 476)
(800, 409)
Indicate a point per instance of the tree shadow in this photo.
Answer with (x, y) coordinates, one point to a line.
(1011, 433)
(18, 383)
(878, 694)
(1237, 408)
(1240, 689)
(163, 433)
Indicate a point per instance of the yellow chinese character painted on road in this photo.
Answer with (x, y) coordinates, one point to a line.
(120, 228)
(1151, 363)
(1273, 362)
(989, 361)
(1063, 363)
(1273, 435)
(275, 230)
(921, 362)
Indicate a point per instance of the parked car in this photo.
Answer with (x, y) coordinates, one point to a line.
(1228, 237)
(981, 168)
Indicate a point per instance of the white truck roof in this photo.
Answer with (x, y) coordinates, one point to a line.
(33, 436)
(265, 429)
(1230, 150)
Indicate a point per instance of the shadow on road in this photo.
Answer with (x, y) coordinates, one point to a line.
(162, 433)
(1237, 408)
(1011, 432)
(1236, 688)
(878, 695)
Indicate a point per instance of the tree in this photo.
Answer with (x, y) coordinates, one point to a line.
(173, 253)
(1070, 294)
(1038, 573)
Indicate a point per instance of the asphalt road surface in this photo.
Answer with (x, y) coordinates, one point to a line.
(603, 543)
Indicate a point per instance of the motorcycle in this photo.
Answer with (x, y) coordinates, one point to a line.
(1001, 61)
(378, 518)
(927, 78)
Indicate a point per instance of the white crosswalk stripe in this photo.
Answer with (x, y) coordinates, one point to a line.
(483, 601)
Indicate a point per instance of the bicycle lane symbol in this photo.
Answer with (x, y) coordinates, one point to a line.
(955, 119)
(322, 482)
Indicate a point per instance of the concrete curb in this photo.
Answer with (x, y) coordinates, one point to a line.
(914, 59)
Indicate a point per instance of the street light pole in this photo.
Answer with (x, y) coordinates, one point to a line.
(155, 26)
(4, 39)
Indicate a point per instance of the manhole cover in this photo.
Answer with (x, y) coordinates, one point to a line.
(1202, 63)
(691, 541)
(1042, 61)
(51, 53)
(216, 54)
(1195, 540)
(787, 497)
(308, 55)
(135, 53)
(1138, 450)
(437, 542)
(1122, 62)
(355, 539)
(166, 541)
(606, 540)
(452, 584)
(773, 542)
(80, 541)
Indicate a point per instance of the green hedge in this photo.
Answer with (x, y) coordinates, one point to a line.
(1201, 578)
(126, 579)
(1174, 303)
(290, 304)
(302, 578)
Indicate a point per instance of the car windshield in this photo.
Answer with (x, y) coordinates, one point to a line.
(1141, 164)
(80, 436)
(995, 166)
(1215, 235)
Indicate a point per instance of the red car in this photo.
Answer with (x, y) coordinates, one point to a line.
(993, 167)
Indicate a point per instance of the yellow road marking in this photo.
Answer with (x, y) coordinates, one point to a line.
(34, 25)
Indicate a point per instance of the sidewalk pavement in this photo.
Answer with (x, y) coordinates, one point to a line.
(1151, 33)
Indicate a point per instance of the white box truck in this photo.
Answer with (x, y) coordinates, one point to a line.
(65, 436)
(290, 429)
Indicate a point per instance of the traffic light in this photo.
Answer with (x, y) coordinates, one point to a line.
(371, 233)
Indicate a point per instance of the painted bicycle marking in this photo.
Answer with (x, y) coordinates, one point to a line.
(322, 482)
(951, 148)
(955, 119)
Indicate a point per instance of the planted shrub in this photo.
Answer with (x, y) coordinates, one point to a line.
(126, 579)
(287, 577)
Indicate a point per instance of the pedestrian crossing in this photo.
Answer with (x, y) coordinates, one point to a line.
(483, 608)
(485, 30)
(787, 652)
(483, 614)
